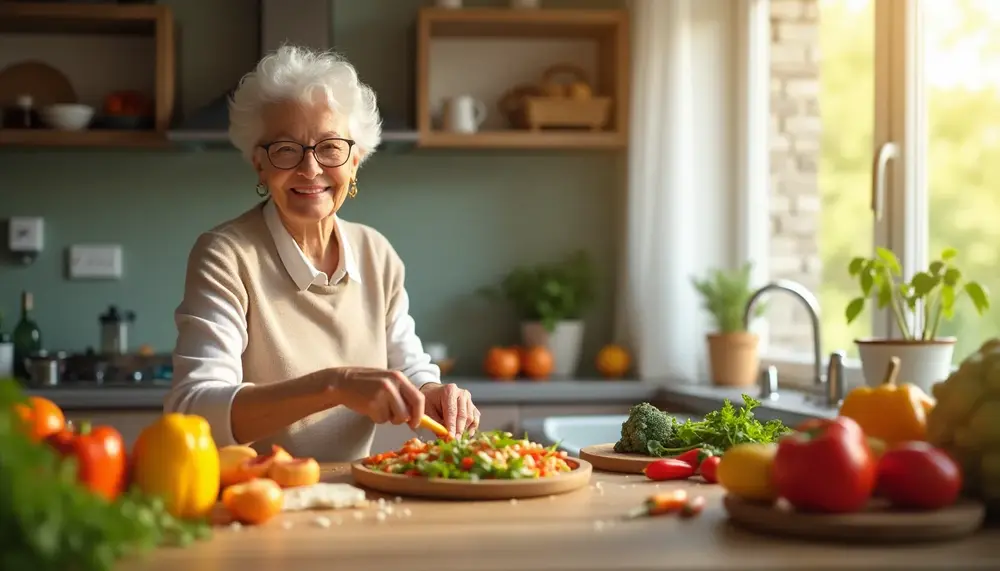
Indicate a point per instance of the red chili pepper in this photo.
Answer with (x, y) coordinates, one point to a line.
(693, 507)
(709, 468)
(668, 469)
(100, 456)
(694, 457)
(825, 466)
(659, 504)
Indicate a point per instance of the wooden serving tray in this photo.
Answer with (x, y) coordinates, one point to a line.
(877, 524)
(604, 457)
(440, 488)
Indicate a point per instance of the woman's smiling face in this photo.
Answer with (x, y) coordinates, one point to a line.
(307, 190)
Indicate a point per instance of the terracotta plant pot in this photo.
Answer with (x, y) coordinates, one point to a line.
(733, 358)
(922, 363)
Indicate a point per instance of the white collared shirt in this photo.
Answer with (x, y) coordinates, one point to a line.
(404, 350)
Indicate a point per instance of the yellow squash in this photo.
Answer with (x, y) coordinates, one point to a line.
(890, 412)
(177, 459)
(745, 471)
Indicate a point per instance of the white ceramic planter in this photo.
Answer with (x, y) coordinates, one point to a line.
(564, 343)
(922, 363)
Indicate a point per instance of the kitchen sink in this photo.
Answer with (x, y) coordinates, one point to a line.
(572, 433)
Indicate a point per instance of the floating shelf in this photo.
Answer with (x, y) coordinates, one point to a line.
(601, 37)
(85, 138)
(70, 19)
(517, 139)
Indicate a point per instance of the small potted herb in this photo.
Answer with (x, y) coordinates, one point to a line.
(550, 300)
(732, 349)
(919, 307)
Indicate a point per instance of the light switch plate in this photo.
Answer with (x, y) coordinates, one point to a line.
(27, 234)
(95, 261)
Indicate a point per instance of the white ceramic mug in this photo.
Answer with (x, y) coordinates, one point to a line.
(464, 114)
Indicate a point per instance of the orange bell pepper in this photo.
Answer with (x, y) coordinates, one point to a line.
(891, 412)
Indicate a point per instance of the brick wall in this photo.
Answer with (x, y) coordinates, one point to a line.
(795, 145)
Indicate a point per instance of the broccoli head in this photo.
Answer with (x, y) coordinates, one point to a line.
(645, 423)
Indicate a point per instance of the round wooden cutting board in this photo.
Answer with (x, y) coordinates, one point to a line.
(440, 488)
(604, 457)
(876, 525)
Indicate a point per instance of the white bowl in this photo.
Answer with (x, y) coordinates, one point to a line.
(67, 116)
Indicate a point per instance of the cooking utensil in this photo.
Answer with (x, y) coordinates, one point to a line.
(603, 457)
(45, 369)
(114, 331)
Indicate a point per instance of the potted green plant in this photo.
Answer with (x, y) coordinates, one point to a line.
(550, 300)
(732, 349)
(928, 299)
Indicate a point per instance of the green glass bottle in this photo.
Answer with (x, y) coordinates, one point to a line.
(27, 336)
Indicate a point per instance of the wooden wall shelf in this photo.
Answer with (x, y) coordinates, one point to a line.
(516, 139)
(153, 21)
(90, 138)
(602, 33)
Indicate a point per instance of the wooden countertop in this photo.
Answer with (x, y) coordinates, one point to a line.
(578, 531)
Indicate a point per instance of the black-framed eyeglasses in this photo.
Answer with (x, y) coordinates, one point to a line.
(330, 153)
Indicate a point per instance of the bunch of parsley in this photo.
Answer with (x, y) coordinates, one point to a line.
(49, 522)
(719, 431)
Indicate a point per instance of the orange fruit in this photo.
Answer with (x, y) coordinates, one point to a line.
(41, 418)
(294, 473)
(254, 502)
(502, 363)
(259, 466)
(613, 361)
(231, 469)
(537, 362)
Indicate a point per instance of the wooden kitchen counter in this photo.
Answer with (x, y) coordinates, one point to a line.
(579, 531)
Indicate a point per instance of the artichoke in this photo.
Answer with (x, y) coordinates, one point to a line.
(966, 421)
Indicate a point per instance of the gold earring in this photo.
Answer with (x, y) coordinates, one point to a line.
(352, 190)
(261, 190)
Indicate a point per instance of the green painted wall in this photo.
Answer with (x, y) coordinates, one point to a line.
(458, 219)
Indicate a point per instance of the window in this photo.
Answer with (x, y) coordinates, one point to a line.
(844, 78)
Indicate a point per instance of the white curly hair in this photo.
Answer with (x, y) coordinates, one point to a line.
(296, 74)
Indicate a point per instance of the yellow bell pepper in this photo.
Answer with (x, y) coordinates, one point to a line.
(890, 412)
(177, 459)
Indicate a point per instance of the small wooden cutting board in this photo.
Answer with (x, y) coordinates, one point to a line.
(604, 457)
(877, 524)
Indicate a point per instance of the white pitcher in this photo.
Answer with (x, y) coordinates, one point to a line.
(464, 114)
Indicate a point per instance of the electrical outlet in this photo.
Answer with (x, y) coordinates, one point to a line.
(26, 234)
(95, 261)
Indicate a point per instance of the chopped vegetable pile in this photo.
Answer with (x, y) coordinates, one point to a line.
(651, 431)
(492, 455)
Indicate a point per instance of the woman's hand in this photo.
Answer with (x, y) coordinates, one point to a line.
(451, 406)
(380, 394)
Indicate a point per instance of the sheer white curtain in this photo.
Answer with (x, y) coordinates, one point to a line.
(661, 318)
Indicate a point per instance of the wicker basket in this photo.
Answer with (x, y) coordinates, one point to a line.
(556, 104)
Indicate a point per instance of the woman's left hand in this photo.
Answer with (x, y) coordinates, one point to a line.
(451, 406)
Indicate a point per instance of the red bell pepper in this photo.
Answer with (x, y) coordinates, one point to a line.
(825, 466)
(100, 456)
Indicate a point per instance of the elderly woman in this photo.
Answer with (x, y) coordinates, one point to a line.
(295, 328)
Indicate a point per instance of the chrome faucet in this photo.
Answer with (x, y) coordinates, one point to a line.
(833, 381)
